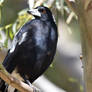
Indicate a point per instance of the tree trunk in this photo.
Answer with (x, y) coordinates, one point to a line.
(84, 10)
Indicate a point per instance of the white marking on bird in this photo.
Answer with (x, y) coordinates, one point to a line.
(12, 48)
(23, 38)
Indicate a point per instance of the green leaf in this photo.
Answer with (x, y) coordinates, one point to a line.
(81, 88)
(52, 65)
(72, 80)
(6, 43)
(11, 35)
(8, 26)
(22, 12)
(0, 36)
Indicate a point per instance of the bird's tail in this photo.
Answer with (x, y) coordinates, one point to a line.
(2, 86)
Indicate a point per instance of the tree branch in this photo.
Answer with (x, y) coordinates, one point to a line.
(21, 86)
(72, 5)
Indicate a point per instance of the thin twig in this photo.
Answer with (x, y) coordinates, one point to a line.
(39, 2)
(72, 5)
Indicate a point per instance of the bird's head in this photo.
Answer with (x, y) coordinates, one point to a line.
(41, 12)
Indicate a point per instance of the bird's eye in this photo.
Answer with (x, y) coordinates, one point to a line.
(42, 11)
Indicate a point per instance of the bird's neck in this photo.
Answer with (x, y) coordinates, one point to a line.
(43, 18)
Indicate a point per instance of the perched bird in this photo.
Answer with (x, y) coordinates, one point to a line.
(34, 46)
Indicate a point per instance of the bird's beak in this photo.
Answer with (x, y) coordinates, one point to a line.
(34, 12)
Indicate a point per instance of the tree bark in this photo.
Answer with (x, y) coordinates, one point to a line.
(84, 12)
(84, 9)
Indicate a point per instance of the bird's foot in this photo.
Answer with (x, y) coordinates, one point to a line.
(35, 89)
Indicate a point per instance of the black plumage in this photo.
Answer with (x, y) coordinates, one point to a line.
(34, 46)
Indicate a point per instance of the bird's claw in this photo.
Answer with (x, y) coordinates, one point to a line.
(36, 89)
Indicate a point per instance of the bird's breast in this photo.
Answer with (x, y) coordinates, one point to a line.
(41, 39)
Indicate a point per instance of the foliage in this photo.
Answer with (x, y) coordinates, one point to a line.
(11, 29)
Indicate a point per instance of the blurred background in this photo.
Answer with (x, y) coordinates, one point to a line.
(66, 72)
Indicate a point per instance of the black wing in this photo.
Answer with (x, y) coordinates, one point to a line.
(18, 40)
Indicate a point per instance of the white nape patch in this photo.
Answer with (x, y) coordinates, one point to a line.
(23, 38)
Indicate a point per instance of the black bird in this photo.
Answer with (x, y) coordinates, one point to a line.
(34, 46)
